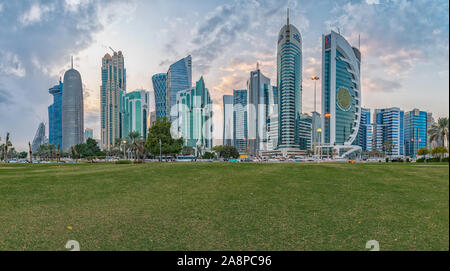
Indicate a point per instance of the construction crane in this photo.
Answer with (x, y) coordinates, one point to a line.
(112, 49)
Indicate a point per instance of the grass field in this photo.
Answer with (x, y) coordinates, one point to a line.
(224, 206)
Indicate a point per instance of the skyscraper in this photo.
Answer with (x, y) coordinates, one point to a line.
(341, 94)
(416, 135)
(194, 119)
(388, 127)
(305, 132)
(179, 78)
(159, 90)
(72, 110)
(365, 130)
(240, 120)
(88, 133)
(259, 89)
(289, 85)
(113, 82)
(272, 121)
(55, 116)
(39, 138)
(316, 124)
(227, 120)
(135, 112)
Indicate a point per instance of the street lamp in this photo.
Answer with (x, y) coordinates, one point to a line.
(315, 78)
(319, 130)
(124, 147)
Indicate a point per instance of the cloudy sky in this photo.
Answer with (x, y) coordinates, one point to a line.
(404, 44)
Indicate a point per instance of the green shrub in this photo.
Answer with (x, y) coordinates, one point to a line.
(434, 160)
(420, 160)
(445, 159)
(387, 159)
(407, 160)
(123, 162)
(138, 162)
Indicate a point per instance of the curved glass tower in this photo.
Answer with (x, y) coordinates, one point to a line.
(179, 78)
(159, 89)
(289, 82)
(72, 110)
(341, 93)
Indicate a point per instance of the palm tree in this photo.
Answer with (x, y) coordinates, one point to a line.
(57, 153)
(134, 139)
(30, 151)
(388, 145)
(439, 131)
(7, 144)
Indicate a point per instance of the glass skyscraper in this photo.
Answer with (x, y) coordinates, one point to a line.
(289, 85)
(159, 90)
(240, 120)
(227, 120)
(341, 94)
(415, 131)
(365, 130)
(113, 74)
(179, 78)
(39, 138)
(194, 116)
(305, 131)
(135, 112)
(55, 116)
(259, 89)
(389, 126)
(88, 133)
(72, 110)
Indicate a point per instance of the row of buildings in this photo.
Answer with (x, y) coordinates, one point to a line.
(265, 119)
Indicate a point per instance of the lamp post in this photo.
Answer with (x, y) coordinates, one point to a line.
(315, 78)
(124, 147)
(319, 130)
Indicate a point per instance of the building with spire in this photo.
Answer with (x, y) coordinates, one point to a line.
(289, 86)
(72, 110)
(113, 75)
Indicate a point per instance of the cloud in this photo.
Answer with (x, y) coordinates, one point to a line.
(380, 85)
(4, 97)
(10, 64)
(35, 14)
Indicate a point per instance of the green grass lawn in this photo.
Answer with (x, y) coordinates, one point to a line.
(224, 206)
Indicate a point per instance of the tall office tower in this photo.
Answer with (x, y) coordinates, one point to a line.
(55, 116)
(39, 138)
(341, 94)
(113, 82)
(227, 120)
(179, 78)
(88, 133)
(134, 108)
(365, 131)
(159, 90)
(272, 120)
(289, 85)
(316, 124)
(388, 126)
(258, 111)
(240, 134)
(430, 121)
(72, 110)
(305, 132)
(194, 119)
(416, 136)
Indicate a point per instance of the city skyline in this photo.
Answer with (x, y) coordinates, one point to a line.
(393, 77)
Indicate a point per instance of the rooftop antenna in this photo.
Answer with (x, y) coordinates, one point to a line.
(257, 65)
(71, 61)
(339, 30)
(359, 42)
(287, 16)
(112, 49)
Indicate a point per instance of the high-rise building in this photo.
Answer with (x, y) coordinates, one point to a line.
(316, 124)
(365, 130)
(179, 78)
(341, 94)
(289, 85)
(305, 132)
(55, 116)
(272, 120)
(416, 126)
(39, 138)
(227, 120)
(113, 83)
(430, 121)
(240, 120)
(152, 118)
(194, 119)
(72, 110)
(88, 133)
(135, 112)
(159, 89)
(388, 127)
(259, 89)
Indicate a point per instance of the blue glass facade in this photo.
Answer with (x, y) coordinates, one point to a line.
(289, 85)
(389, 125)
(415, 131)
(159, 90)
(365, 131)
(305, 132)
(240, 131)
(179, 78)
(55, 116)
